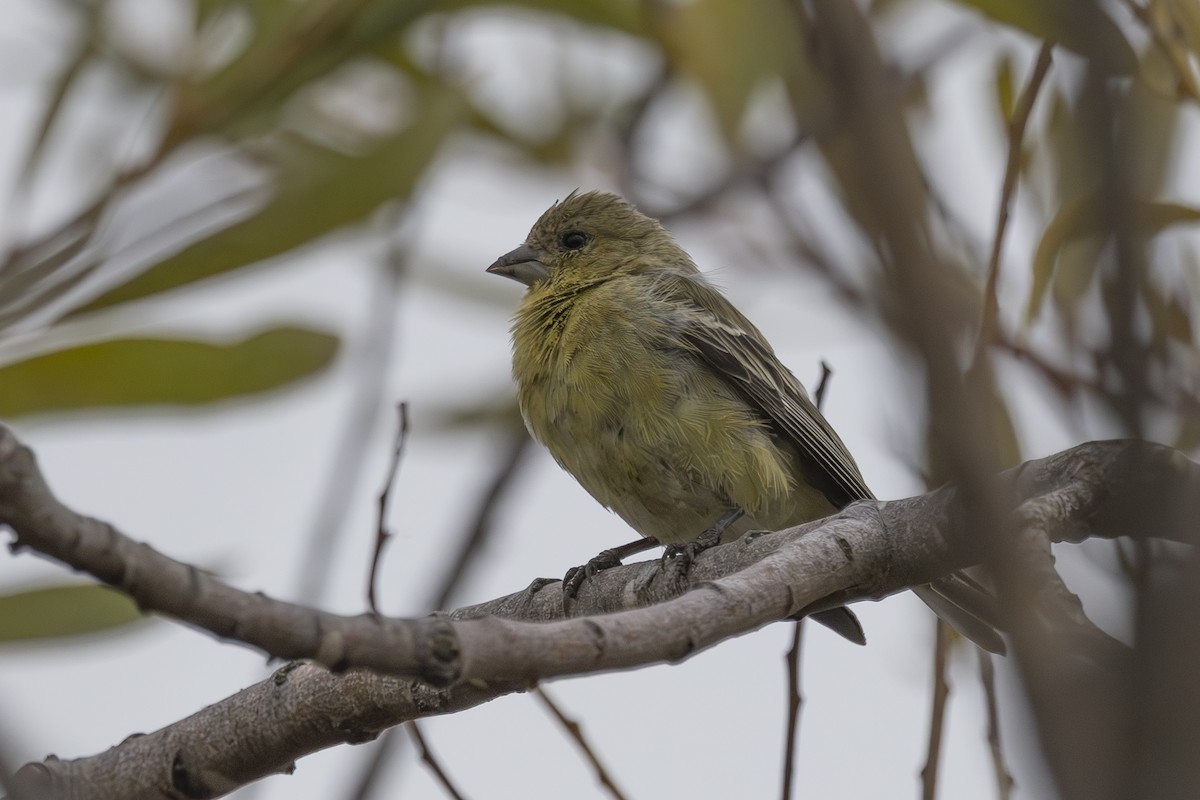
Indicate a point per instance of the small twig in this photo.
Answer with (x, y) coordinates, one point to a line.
(381, 532)
(1012, 169)
(431, 761)
(822, 384)
(795, 697)
(941, 690)
(576, 732)
(470, 545)
(795, 700)
(987, 676)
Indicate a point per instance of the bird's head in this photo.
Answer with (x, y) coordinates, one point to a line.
(591, 237)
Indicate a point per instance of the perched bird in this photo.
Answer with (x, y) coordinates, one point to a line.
(665, 403)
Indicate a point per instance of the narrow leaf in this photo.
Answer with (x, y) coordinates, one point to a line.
(318, 191)
(1079, 25)
(1081, 217)
(139, 372)
(67, 610)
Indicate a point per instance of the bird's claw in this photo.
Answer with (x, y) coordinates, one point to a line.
(535, 586)
(576, 576)
(677, 559)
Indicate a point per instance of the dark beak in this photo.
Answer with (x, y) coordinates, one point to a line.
(521, 265)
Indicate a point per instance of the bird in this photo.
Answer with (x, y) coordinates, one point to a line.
(668, 406)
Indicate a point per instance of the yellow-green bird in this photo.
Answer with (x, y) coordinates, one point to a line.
(665, 403)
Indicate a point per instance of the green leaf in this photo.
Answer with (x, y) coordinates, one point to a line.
(730, 47)
(1004, 81)
(139, 372)
(1187, 438)
(625, 15)
(318, 190)
(1081, 217)
(1079, 25)
(66, 610)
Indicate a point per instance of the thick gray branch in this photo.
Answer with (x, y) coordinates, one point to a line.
(477, 653)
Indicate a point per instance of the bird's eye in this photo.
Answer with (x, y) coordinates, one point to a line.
(573, 240)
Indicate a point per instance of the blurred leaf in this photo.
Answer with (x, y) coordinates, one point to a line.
(67, 80)
(988, 398)
(1185, 14)
(1005, 80)
(1082, 217)
(730, 47)
(318, 191)
(134, 372)
(1176, 28)
(293, 44)
(624, 15)
(1187, 438)
(1075, 269)
(1073, 150)
(205, 9)
(1148, 140)
(1079, 25)
(1157, 72)
(1170, 316)
(67, 610)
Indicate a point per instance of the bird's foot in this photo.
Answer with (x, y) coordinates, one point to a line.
(605, 559)
(535, 586)
(677, 559)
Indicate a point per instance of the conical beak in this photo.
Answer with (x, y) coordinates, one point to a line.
(521, 265)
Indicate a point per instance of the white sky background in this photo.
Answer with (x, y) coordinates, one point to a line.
(234, 488)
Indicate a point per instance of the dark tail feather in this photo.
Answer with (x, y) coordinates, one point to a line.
(965, 609)
(843, 622)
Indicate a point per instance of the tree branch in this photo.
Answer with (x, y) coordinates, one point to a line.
(477, 653)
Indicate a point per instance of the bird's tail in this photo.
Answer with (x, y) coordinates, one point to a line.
(968, 607)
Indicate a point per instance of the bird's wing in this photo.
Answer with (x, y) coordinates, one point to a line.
(710, 326)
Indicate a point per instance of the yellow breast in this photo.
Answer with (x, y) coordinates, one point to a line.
(645, 427)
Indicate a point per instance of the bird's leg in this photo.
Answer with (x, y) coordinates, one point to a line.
(685, 554)
(606, 559)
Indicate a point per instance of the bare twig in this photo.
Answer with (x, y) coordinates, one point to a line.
(381, 532)
(572, 727)
(471, 544)
(987, 676)
(822, 384)
(794, 695)
(937, 713)
(431, 761)
(795, 701)
(988, 321)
